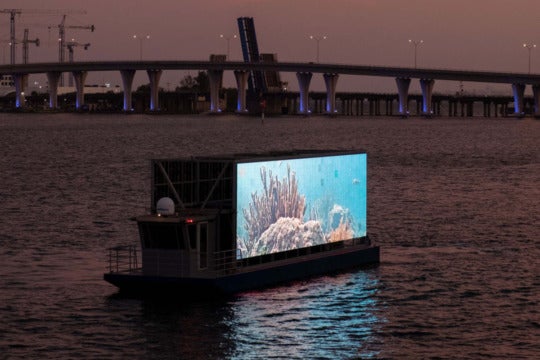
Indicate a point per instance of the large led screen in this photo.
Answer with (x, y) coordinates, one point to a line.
(294, 203)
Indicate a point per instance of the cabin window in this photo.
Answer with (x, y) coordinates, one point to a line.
(203, 245)
(198, 240)
(192, 232)
(161, 236)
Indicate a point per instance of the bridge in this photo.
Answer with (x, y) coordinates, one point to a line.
(304, 73)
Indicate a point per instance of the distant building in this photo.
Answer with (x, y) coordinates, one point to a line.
(7, 86)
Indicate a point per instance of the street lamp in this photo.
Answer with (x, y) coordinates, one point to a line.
(228, 38)
(318, 40)
(529, 47)
(141, 38)
(415, 43)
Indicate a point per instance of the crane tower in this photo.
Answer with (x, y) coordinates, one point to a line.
(25, 43)
(62, 45)
(14, 12)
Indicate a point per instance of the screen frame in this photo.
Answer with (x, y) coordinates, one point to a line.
(299, 156)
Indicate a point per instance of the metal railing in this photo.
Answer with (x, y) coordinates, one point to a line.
(123, 258)
(225, 262)
(231, 261)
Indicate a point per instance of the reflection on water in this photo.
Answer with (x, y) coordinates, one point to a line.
(186, 330)
(326, 317)
(329, 317)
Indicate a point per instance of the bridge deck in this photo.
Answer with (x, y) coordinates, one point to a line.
(384, 71)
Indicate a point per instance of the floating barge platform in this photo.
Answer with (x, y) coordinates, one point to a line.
(227, 224)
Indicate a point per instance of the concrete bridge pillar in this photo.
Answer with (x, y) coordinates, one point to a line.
(403, 94)
(127, 82)
(154, 76)
(331, 82)
(215, 77)
(241, 83)
(487, 109)
(427, 94)
(53, 77)
(536, 98)
(20, 80)
(80, 78)
(519, 91)
(304, 78)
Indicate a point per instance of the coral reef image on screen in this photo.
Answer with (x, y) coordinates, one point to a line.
(294, 203)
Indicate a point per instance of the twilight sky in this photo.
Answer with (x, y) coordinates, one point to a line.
(457, 34)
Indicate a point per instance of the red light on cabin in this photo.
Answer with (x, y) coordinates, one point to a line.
(189, 221)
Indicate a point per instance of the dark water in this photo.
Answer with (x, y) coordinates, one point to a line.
(454, 203)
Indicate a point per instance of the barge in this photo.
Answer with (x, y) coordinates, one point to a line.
(227, 224)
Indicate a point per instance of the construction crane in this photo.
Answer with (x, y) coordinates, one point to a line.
(13, 12)
(71, 45)
(12, 42)
(25, 43)
(62, 40)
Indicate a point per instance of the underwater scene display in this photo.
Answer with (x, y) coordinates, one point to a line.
(289, 204)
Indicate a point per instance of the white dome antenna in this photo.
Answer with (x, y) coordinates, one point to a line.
(165, 206)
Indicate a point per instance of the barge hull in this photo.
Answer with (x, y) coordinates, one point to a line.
(257, 278)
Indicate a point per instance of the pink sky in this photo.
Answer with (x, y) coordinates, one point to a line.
(457, 34)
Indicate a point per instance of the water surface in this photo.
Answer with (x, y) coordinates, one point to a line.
(453, 202)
